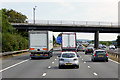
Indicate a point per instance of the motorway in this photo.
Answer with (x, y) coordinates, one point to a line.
(23, 67)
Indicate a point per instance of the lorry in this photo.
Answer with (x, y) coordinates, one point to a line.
(68, 42)
(40, 44)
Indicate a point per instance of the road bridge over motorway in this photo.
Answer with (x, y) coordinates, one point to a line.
(71, 26)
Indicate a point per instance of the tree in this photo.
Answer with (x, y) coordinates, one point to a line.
(15, 17)
(60, 35)
(11, 39)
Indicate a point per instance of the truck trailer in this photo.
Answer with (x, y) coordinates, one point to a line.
(68, 42)
(40, 44)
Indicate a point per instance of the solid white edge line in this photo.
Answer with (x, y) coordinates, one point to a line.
(113, 61)
(44, 74)
(13, 65)
(95, 74)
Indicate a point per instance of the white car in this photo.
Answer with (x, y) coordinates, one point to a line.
(111, 47)
(68, 59)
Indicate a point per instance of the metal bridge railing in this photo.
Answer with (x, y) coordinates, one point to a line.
(72, 23)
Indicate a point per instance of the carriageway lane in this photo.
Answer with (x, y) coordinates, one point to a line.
(48, 68)
(11, 60)
(82, 72)
(103, 69)
(87, 69)
(29, 69)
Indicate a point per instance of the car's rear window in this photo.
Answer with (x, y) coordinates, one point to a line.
(89, 48)
(68, 55)
(80, 47)
(100, 52)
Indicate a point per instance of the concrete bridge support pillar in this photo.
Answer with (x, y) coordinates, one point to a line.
(96, 40)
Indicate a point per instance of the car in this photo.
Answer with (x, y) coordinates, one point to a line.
(81, 48)
(92, 45)
(103, 46)
(111, 47)
(89, 50)
(99, 55)
(68, 59)
(100, 46)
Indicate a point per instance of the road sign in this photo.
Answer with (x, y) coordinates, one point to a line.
(59, 40)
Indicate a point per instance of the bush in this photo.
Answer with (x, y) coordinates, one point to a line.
(11, 39)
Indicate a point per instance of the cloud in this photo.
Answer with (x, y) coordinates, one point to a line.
(65, 4)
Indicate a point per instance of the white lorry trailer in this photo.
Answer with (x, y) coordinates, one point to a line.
(68, 42)
(40, 44)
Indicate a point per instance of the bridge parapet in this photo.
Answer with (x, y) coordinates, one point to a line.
(70, 23)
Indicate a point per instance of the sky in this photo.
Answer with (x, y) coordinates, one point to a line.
(72, 10)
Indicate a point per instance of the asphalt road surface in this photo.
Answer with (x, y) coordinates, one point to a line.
(23, 67)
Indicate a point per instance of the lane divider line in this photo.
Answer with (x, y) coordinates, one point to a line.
(95, 74)
(82, 59)
(13, 65)
(55, 59)
(49, 67)
(84, 62)
(44, 74)
(52, 62)
(89, 67)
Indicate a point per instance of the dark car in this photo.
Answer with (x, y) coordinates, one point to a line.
(100, 55)
(89, 50)
(81, 48)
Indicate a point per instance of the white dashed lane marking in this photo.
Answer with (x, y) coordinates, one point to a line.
(52, 62)
(95, 74)
(49, 67)
(84, 62)
(44, 74)
(89, 67)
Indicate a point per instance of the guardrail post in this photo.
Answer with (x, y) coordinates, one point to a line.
(47, 21)
(99, 23)
(61, 22)
(111, 24)
(86, 23)
(73, 22)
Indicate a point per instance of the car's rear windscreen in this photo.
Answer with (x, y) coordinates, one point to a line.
(68, 55)
(100, 52)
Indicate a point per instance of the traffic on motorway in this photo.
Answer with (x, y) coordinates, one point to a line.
(70, 59)
(41, 46)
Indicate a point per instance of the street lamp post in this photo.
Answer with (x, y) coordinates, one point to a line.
(34, 14)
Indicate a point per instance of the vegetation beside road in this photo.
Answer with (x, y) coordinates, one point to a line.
(12, 40)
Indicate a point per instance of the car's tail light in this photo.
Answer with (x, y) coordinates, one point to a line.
(74, 51)
(86, 49)
(46, 54)
(62, 51)
(61, 59)
(95, 54)
(44, 48)
(75, 59)
(32, 48)
(31, 55)
(106, 53)
(82, 48)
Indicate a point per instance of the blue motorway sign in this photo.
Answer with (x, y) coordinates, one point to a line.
(59, 40)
